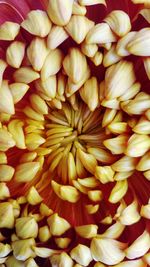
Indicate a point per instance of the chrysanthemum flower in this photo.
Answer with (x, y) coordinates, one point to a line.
(74, 133)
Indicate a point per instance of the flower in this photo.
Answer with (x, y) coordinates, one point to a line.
(74, 133)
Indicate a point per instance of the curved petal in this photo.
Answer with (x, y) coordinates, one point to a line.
(15, 11)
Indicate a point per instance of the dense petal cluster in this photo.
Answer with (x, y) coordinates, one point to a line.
(75, 137)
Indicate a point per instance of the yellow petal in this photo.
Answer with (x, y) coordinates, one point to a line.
(38, 104)
(22, 249)
(6, 215)
(111, 57)
(9, 30)
(78, 27)
(140, 44)
(137, 145)
(107, 251)
(18, 90)
(87, 231)
(6, 140)
(130, 214)
(4, 191)
(49, 69)
(100, 34)
(58, 225)
(3, 66)
(92, 2)
(117, 145)
(125, 164)
(15, 54)
(25, 172)
(118, 191)
(33, 197)
(15, 127)
(56, 37)
(89, 50)
(25, 75)
(89, 93)
(104, 174)
(121, 47)
(88, 161)
(119, 22)
(78, 9)
(139, 247)
(37, 23)
(116, 82)
(6, 103)
(81, 254)
(6, 173)
(75, 65)
(37, 53)
(60, 12)
(26, 227)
